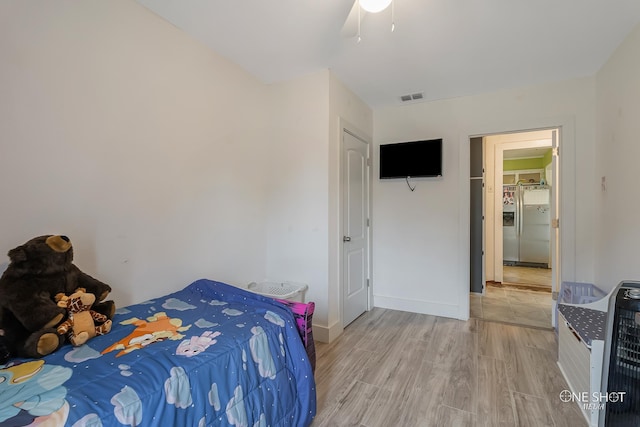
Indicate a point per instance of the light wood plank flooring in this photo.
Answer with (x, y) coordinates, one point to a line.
(527, 275)
(391, 368)
(515, 306)
(523, 298)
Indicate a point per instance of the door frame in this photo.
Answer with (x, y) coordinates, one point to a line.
(346, 127)
(567, 231)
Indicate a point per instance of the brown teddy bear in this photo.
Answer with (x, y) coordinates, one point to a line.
(38, 271)
(81, 326)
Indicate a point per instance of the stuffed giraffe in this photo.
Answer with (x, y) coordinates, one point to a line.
(81, 323)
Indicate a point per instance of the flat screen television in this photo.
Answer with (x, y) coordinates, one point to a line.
(411, 159)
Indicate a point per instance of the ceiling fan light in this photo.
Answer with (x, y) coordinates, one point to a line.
(374, 6)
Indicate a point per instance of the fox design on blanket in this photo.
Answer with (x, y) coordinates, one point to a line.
(158, 327)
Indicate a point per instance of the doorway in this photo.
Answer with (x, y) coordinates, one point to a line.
(526, 212)
(520, 193)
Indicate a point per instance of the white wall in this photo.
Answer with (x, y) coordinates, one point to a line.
(163, 161)
(140, 144)
(421, 245)
(303, 225)
(618, 152)
(297, 213)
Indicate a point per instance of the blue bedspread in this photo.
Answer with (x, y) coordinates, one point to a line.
(208, 355)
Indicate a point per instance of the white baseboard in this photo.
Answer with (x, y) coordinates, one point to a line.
(417, 306)
(327, 334)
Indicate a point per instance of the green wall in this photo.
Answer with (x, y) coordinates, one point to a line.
(546, 159)
(524, 164)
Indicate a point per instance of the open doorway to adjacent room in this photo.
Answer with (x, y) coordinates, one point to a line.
(519, 239)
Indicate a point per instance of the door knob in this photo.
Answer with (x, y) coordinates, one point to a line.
(346, 238)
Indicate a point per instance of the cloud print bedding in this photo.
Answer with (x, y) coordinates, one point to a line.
(208, 355)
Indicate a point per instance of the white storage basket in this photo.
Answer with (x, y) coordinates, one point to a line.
(282, 290)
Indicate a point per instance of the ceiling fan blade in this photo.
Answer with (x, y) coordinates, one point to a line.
(350, 27)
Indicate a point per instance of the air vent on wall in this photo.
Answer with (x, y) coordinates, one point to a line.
(412, 97)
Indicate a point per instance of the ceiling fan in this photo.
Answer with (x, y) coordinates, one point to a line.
(360, 8)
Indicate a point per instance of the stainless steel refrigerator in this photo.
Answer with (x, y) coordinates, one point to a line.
(526, 216)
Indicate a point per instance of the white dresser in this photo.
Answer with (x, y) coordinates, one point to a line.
(581, 338)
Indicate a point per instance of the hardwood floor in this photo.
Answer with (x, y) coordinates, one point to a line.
(514, 306)
(527, 275)
(523, 298)
(392, 368)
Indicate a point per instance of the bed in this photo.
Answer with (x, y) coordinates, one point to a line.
(208, 355)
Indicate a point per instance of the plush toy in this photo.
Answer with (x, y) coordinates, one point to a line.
(81, 326)
(4, 350)
(38, 270)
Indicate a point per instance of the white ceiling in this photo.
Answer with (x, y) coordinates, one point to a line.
(443, 48)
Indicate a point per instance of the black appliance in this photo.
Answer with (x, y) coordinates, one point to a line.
(621, 368)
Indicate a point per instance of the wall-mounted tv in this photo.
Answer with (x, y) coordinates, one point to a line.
(411, 159)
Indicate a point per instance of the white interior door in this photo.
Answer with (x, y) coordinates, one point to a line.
(355, 253)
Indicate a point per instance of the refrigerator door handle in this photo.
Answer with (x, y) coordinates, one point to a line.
(519, 209)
